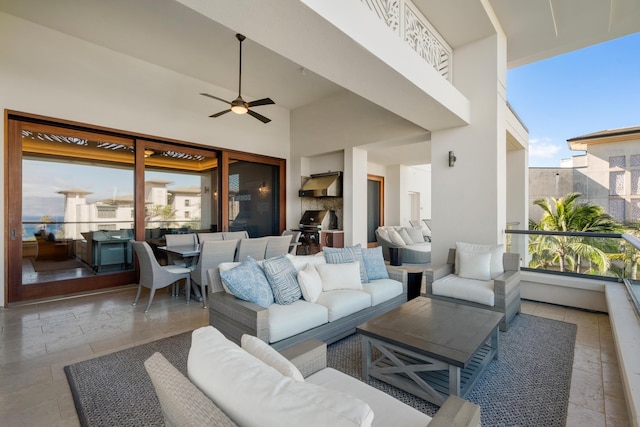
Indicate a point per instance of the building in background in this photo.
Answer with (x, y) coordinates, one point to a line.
(607, 174)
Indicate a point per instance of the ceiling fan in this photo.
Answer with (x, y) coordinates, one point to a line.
(239, 105)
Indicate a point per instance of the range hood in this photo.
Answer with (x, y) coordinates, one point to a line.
(323, 185)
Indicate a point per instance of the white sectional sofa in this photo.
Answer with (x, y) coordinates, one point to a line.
(254, 385)
(328, 312)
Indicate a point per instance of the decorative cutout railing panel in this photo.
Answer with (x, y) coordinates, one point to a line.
(407, 22)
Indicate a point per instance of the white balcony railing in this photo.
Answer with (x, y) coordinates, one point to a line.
(407, 22)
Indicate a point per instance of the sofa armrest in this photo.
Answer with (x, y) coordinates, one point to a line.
(400, 275)
(308, 356)
(432, 274)
(233, 317)
(456, 412)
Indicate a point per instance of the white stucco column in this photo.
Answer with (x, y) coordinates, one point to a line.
(469, 199)
(355, 197)
(517, 199)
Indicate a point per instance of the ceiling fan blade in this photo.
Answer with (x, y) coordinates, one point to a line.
(215, 97)
(260, 117)
(263, 101)
(220, 113)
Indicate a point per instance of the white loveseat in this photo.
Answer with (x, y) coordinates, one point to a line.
(254, 385)
(333, 313)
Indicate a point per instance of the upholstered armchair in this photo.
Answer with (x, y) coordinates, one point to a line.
(500, 292)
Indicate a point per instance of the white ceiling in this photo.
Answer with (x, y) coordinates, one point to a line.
(171, 35)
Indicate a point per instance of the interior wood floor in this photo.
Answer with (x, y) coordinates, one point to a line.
(39, 339)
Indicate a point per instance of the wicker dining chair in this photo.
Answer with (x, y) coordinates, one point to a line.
(277, 245)
(255, 248)
(212, 253)
(155, 276)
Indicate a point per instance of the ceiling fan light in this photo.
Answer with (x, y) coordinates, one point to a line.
(239, 109)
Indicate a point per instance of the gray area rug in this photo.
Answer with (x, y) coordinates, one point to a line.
(527, 386)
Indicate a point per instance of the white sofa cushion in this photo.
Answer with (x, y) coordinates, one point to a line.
(415, 233)
(382, 290)
(467, 289)
(288, 320)
(388, 411)
(475, 265)
(340, 276)
(405, 236)
(395, 237)
(310, 283)
(300, 261)
(268, 355)
(342, 303)
(497, 266)
(254, 394)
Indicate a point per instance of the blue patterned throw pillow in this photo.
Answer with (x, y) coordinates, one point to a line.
(374, 263)
(248, 282)
(344, 255)
(283, 278)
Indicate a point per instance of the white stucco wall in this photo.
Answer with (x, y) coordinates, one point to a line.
(49, 73)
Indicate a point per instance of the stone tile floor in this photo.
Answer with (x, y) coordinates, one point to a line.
(39, 339)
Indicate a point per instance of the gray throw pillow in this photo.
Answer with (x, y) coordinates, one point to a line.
(283, 278)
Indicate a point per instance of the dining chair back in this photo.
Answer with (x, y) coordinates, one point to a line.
(212, 253)
(235, 235)
(205, 237)
(277, 245)
(295, 236)
(255, 248)
(155, 276)
(179, 240)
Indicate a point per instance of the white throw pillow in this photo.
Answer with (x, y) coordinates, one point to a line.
(383, 233)
(415, 234)
(310, 283)
(396, 238)
(263, 351)
(340, 276)
(254, 394)
(497, 267)
(405, 236)
(475, 265)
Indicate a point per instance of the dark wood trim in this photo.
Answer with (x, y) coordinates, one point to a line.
(71, 286)
(224, 191)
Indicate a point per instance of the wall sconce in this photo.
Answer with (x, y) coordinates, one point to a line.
(263, 189)
(149, 153)
(452, 159)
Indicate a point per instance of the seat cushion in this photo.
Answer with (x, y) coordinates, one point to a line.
(466, 289)
(342, 303)
(382, 290)
(288, 320)
(388, 411)
(252, 393)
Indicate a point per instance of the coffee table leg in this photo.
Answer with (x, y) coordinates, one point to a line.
(454, 380)
(494, 343)
(366, 357)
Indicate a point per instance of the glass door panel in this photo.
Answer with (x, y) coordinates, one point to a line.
(75, 211)
(254, 196)
(180, 192)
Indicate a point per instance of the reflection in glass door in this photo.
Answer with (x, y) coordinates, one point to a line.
(74, 212)
(180, 192)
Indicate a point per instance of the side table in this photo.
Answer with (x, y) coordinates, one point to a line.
(414, 278)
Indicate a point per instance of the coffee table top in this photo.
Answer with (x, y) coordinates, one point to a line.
(446, 331)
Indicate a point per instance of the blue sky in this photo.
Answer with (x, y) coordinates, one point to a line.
(574, 94)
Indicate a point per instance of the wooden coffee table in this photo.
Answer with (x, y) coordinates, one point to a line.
(430, 348)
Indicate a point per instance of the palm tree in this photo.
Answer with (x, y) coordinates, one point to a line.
(567, 214)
